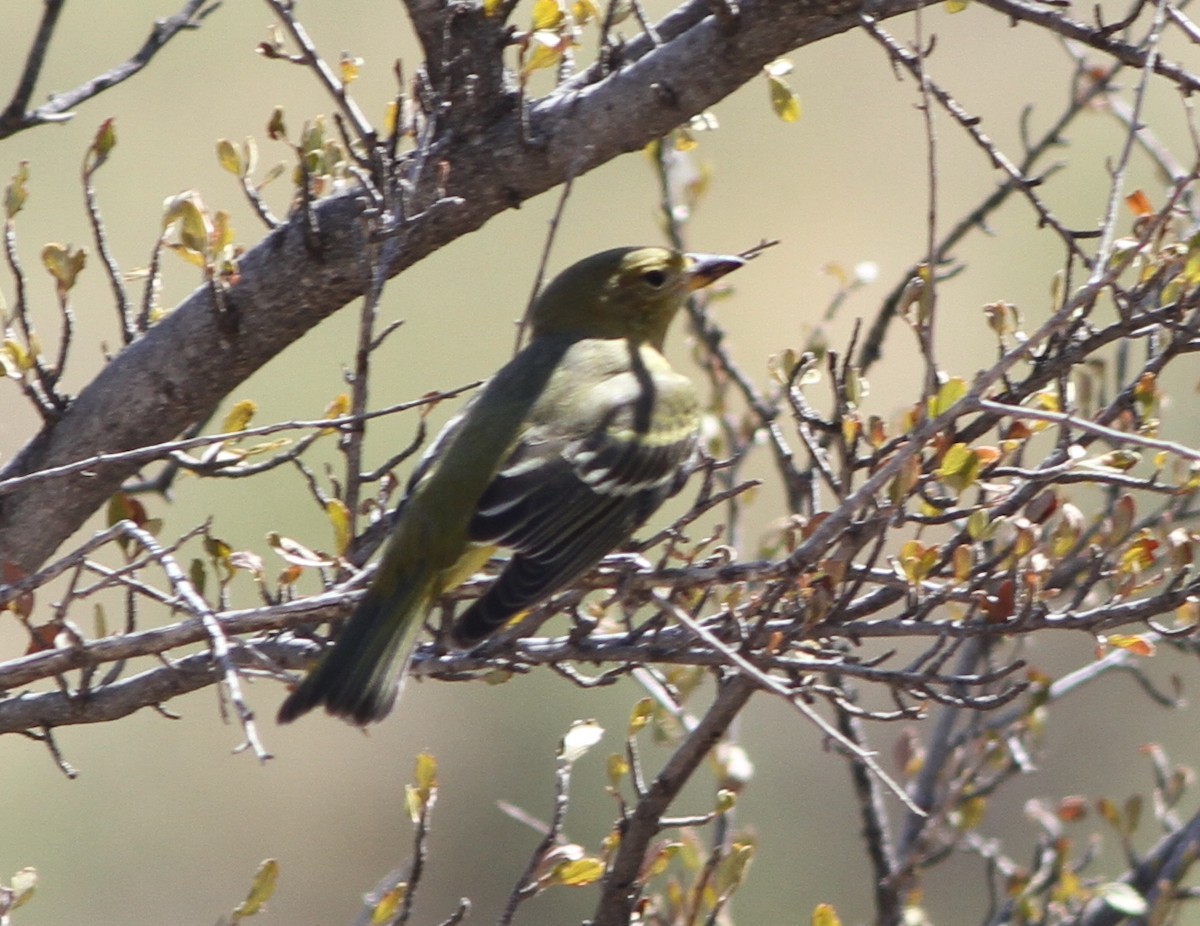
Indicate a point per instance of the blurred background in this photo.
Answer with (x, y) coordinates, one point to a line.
(166, 825)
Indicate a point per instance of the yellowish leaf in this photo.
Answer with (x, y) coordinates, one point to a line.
(618, 768)
(732, 871)
(584, 11)
(640, 716)
(349, 67)
(103, 143)
(971, 812)
(188, 209)
(659, 859)
(917, 559)
(20, 359)
(425, 772)
(579, 873)
(905, 481)
(64, 264)
(980, 525)
(261, 890)
(1137, 644)
(195, 258)
(950, 392)
(239, 416)
(389, 905)
(17, 191)
(229, 157)
(339, 517)
(414, 803)
(546, 50)
(784, 100)
(964, 561)
(825, 915)
(547, 14)
(222, 236)
(959, 467)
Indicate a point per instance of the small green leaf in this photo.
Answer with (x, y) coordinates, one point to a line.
(239, 416)
(64, 264)
(389, 905)
(825, 915)
(618, 768)
(418, 797)
(640, 715)
(960, 467)
(905, 481)
(20, 359)
(348, 67)
(261, 890)
(425, 772)
(579, 873)
(547, 14)
(17, 191)
(229, 157)
(980, 525)
(339, 517)
(784, 100)
(950, 392)
(103, 143)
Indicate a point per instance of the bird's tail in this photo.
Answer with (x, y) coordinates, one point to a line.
(360, 677)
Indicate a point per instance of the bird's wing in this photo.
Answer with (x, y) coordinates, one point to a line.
(563, 500)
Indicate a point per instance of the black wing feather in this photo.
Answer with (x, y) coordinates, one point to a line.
(561, 505)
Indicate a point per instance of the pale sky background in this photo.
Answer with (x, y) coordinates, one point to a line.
(164, 825)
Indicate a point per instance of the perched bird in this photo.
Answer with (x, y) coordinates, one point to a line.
(561, 456)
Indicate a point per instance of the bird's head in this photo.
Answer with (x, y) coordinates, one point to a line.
(625, 293)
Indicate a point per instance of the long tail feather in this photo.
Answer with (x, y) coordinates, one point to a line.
(361, 676)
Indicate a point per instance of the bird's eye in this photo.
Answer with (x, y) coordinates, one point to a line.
(655, 278)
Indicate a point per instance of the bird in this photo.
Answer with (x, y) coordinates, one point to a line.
(560, 457)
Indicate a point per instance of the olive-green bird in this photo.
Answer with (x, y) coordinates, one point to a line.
(562, 455)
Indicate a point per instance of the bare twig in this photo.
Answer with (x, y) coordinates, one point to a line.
(15, 118)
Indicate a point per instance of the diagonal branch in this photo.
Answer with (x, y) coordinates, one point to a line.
(1100, 39)
(181, 369)
(621, 887)
(15, 110)
(16, 118)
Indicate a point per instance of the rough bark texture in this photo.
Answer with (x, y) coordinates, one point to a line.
(181, 369)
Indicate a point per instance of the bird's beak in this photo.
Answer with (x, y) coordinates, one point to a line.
(707, 268)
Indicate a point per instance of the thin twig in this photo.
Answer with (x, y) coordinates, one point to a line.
(15, 118)
(156, 451)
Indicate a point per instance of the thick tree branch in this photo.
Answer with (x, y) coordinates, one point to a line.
(185, 365)
(621, 888)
